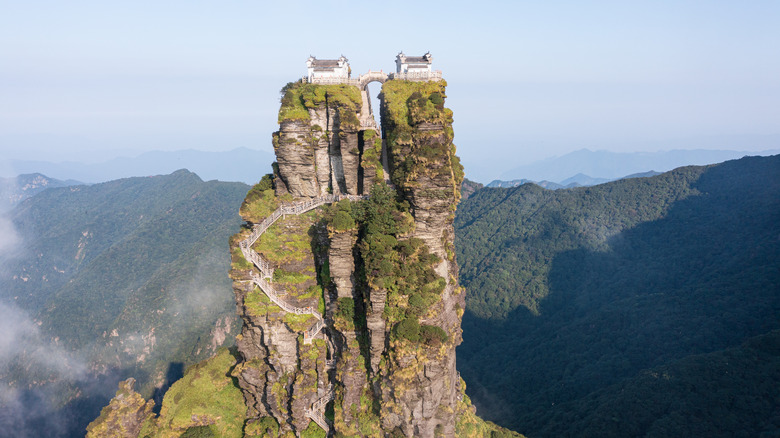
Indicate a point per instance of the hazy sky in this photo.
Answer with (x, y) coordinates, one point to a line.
(527, 80)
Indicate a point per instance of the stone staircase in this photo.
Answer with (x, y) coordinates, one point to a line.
(367, 120)
(317, 411)
(264, 281)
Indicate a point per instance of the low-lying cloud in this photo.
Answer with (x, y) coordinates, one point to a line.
(33, 368)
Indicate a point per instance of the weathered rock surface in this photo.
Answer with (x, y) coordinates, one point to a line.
(342, 262)
(279, 374)
(380, 273)
(321, 154)
(381, 384)
(124, 416)
(427, 173)
(295, 157)
(377, 329)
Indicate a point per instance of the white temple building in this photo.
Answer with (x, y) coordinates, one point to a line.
(327, 70)
(413, 64)
(338, 71)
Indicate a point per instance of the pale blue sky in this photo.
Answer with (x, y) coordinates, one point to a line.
(527, 80)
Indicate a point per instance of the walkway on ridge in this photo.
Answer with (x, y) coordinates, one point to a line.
(317, 411)
(367, 120)
(264, 281)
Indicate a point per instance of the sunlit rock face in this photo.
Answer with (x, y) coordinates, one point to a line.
(345, 280)
(386, 353)
(320, 151)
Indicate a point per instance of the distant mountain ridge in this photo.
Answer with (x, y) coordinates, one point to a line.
(240, 164)
(578, 180)
(614, 165)
(498, 184)
(16, 190)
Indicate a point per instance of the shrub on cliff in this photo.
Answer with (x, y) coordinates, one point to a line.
(408, 329)
(340, 216)
(346, 309)
(260, 201)
(433, 335)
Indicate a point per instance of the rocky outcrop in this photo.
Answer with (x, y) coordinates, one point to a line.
(320, 153)
(428, 175)
(295, 156)
(377, 327)
(342, 263)
(350, 304)
(124, 416)
(385, 270)
(280, 375)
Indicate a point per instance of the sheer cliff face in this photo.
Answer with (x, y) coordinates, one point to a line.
(350, 303)
(427, 174)
(318, 146)
(379, 273)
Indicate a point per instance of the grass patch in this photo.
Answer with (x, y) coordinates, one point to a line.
(287, 240)
(258, 205)
(298, 98)
(264, 426)
(293, 107)
(258, 304)
(313, 431)
(407, 106)
(299, 323)
(414, 102)
(311, 292)
(239, 261)
(205, 401)
(286, 277)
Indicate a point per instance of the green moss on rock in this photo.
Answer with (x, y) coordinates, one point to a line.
(205, 401)
(124, 415)
(419, 134)
(298, 98)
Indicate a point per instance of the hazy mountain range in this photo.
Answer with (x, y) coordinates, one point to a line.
(241, 164)
(17, 189)
(614, 165)
(584, 167)
(578, 180)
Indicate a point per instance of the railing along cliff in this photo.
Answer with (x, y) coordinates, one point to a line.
(332, 81)
(265, 267)
(417, 76)
(317, 411)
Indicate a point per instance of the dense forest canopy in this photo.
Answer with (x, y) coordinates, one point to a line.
(574, 295)
(118, 279)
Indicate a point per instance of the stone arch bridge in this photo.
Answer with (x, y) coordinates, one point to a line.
(372, 76)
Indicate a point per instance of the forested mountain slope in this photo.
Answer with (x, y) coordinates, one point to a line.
(573, 295)
(123, 278)
(17, 189)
